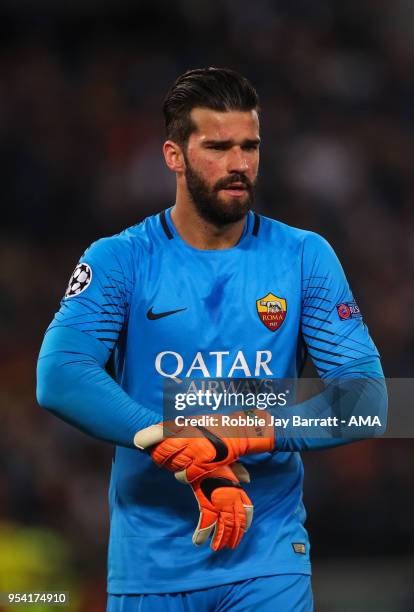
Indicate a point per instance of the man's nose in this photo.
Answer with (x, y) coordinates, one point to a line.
(237, 160)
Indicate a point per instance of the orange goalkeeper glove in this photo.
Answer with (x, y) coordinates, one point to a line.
(225, 508)
(194, 451)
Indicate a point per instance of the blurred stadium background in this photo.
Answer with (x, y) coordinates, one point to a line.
(81, 85)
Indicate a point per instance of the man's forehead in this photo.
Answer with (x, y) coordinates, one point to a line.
(223, 125)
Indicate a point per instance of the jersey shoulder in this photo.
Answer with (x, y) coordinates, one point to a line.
(288, 237)
(130, 244)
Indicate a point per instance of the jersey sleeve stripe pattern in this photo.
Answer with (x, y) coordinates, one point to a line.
(322, 327)
(102, 308)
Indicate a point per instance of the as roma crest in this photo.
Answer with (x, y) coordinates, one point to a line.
(272, 311)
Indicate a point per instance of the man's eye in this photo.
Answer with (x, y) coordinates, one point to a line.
(218, 147)
(225, 147)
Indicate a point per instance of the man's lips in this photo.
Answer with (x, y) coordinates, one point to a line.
(235, 191)
(236, 187)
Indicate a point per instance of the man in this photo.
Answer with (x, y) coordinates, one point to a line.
(205, 289)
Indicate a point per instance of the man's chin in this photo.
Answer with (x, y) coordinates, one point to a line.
(235, 194)
(235, 204)
(230, 210)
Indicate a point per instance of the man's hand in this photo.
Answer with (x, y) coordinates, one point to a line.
(193, 452)
(225, 508)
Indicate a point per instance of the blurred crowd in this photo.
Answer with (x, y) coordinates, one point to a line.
(80, 157)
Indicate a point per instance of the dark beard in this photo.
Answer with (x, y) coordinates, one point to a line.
(207, 200)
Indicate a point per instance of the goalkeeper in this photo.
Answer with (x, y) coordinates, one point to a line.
(204, 289)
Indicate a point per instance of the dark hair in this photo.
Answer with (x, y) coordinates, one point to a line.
(219, 89)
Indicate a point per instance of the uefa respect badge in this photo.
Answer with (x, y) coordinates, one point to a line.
(348, 310)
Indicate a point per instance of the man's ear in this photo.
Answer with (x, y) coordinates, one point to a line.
(174, 157)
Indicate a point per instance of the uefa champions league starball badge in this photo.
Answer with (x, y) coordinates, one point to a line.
(79, 281)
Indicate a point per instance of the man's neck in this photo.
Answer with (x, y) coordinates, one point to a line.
(203, 235)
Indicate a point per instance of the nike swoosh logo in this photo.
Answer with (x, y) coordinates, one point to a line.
(152, 316)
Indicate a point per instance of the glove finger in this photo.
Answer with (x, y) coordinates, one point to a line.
(236, 537)
(238, 529)
(149, 436)
(240, 471)
(248, 508)
(192, 473)
(201, 534)
(222, 532)
(207, 518)
(182, 477)
(249, 515)
(240, 522)
(172, 455)
(240, 512)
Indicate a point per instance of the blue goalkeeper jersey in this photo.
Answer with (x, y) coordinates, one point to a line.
(158, 308)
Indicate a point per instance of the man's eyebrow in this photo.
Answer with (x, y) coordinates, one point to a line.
(228, 143)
